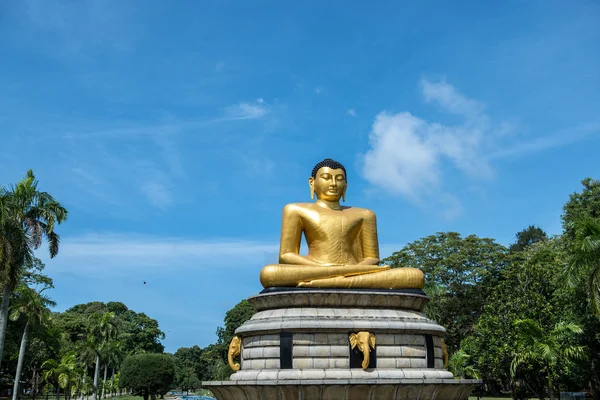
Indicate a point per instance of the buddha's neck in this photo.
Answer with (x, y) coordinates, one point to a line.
(333, 205)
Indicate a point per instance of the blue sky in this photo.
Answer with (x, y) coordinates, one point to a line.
(175, 132)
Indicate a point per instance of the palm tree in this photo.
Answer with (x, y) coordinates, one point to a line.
(546, 348)
(34, 306)
(63, 373)
(114, 354)
(27, 216)
(87, 350)
(459, 364)
(585, 260)
(103, 330)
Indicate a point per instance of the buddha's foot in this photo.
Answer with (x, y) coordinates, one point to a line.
(397, 278)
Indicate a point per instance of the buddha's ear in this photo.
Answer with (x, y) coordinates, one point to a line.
(344, 193)
(311, 183)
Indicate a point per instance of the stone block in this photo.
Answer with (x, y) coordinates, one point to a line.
(341, 363)
(321, 339)
(339, 351)
(437, 352)
(322, 363)
(313, 374)
(386, 362)
(402, 363)
(418, 363)
(271, 352)
(302, 363)
(402, 338)
(337, 339)
(319, 351)
(300, 351)
(272, 363)
(417, 340)
(413, 351)
(303, 338)
(267, 375)
(385, 339)
(389, 351)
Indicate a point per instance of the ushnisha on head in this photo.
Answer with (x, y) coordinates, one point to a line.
(328, 181)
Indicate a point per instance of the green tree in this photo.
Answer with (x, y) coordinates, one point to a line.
(103, 329)
(584, 263)
(234, 318)
(147, 374)
(34, 306)
(546, 349)
(460, 274)
(527, 237)
(584, 204)
(28, 216)
(581, 206)
(529, 288)
(62, 373)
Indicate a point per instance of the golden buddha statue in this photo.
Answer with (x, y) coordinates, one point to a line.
(343, 249)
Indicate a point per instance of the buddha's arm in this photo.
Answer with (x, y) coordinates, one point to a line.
(369, 241)
(291, 235)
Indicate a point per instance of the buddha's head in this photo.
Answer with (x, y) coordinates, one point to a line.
(328, 181)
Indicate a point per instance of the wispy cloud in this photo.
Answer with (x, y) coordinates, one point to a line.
(318, 90)
(409, 156)
(407, 152)
(92, 253)
(352, 112)
(255, 110)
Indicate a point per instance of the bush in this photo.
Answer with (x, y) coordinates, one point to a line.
(148, 374)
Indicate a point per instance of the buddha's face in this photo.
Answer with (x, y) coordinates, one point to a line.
(329, 184)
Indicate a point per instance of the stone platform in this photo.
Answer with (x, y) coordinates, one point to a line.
(297, 347)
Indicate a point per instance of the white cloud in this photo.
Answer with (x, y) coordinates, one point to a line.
(352, 112)
(131, 252)
(255, 110)
(318, 90)
(407, 153)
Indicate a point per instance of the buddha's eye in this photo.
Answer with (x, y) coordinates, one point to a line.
(326, 176)
(340, 178)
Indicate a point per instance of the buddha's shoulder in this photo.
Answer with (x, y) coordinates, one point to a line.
(364, 212)
(298, 207)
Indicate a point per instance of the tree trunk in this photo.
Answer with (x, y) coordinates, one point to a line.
(4, 317)
(550, 388)
(145, 393)
(104, 381)
(112, 383)
(96, 378)
(34, 383)
(20, 362)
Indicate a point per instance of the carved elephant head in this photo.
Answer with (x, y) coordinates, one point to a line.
(365, 341)
(235, 348)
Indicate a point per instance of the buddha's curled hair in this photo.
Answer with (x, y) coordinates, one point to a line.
(329, 163)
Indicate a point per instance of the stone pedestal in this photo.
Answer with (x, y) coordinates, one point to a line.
(297, 347)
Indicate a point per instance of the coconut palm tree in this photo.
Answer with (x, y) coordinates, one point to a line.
(34, 306)
(585, 259)
(103, 329)
(546, 348)
(27, 216)
(63, 373)
(113, 356)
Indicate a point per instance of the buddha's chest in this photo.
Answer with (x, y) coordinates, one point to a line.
(332, 226)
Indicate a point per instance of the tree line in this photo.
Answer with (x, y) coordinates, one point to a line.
(78, 352)
(524, 318)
